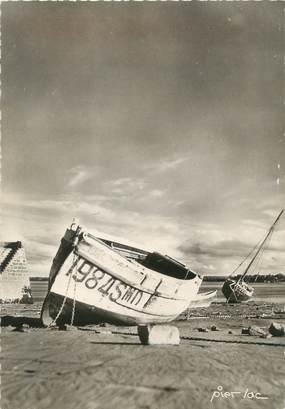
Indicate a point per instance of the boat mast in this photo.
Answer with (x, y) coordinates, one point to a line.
(260, 247)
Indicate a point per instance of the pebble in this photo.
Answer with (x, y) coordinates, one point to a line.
(214, 328)
(203, 329)
(245, 331)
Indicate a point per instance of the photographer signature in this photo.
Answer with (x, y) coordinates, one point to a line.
(220, 393)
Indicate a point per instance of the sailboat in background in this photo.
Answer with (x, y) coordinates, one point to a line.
(237, 290)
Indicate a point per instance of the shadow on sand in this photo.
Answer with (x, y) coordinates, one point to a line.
(10, 320)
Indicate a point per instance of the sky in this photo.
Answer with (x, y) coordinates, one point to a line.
(158, 124)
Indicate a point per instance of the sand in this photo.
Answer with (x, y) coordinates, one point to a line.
(107, 367)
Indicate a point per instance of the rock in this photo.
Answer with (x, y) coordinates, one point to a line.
(158, 335)
(70, 327)
(104, 331)
(279, 312)
(66, 327)
(230, 332)
(214, 328)
(266, 336)
(277, 330)
(18, 329)
(21, 328)
(203, 329)
(256, 331)
(52, 328)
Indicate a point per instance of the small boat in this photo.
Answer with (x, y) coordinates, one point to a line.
(236, 290)
(203, 300)
(94, 280)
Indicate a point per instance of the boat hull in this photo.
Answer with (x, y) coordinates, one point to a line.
(106, 287)
(86, 314)
(236, 292)
(203, 300)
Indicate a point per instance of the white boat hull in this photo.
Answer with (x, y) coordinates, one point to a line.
(104, 286)
(203, 300)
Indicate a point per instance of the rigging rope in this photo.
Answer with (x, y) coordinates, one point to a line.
(260, 260)
(261, 251)
(244, 260)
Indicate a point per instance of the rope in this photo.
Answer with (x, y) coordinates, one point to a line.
(74, 300)
(74, 264)
(244, 260)
(260, 259)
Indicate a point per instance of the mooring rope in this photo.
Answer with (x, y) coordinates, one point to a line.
(74, 294)
(74, 264)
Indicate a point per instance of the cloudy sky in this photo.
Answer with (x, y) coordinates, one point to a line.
(159, 123)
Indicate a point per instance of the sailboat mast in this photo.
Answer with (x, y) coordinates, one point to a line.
(261, 245)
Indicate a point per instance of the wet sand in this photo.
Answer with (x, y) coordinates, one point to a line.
(107, 367)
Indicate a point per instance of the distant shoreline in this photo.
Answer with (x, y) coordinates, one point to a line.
(258, 278)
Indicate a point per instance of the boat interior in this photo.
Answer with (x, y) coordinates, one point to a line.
(155, 261)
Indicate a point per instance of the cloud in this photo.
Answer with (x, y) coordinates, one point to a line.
(224, 247)
(78, 175)
(156, 193)
(121, 181)
(221, 249)
(166, 164)
(126, 186)
(205, 247)
(178, 109)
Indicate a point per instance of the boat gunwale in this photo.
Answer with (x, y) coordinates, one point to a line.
(101, 241)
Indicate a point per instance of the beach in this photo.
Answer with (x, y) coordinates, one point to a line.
(105, 366)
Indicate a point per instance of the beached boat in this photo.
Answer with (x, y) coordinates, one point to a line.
(237, 290)
(94, 280)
